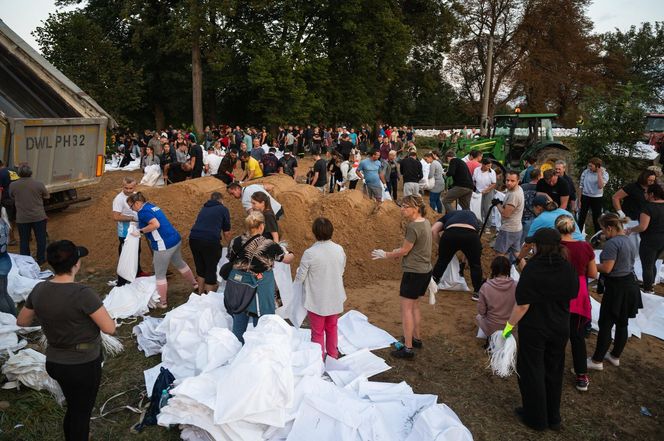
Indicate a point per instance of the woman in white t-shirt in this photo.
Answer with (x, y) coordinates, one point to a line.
(485, 183)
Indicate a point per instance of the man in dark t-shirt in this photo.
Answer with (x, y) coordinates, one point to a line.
(461, 188)
(196, 155)
(555, 188)
(320, 173)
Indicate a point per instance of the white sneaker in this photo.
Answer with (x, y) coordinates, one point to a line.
(594, 366)
(611, 359)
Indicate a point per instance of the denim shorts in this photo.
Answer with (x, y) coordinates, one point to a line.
(508, 240)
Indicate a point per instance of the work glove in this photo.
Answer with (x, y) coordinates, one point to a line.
(508, 330)
(378, 254)
(621, 214)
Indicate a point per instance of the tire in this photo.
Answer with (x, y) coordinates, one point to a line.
(547, 157)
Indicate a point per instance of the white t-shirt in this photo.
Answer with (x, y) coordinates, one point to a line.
(483, 180)
(212, 161)
(253, 188)
(120, 206)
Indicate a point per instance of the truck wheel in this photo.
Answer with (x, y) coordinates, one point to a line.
(547, 157)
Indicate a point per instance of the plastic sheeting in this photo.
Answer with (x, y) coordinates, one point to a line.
(355, 333)
(23, 276)
(132, 299)
(148, 338)
(273, 387)
(649, 320)
(28, 367)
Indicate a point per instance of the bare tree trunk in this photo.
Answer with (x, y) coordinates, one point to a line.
(159, 117)
(196, 70)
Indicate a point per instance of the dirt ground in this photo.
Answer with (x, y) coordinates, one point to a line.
(452, 363)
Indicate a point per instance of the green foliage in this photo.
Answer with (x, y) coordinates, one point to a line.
(611, 129)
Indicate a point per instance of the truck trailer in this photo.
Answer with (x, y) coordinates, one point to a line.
(48, 122)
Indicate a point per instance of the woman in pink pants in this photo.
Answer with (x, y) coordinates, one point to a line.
(321, 272)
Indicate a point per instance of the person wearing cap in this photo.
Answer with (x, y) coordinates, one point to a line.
(546, 212)
(72, 316)
(165, 242)
(288, 164)
(547, 284)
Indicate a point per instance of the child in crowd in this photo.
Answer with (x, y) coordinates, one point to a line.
(496, 298)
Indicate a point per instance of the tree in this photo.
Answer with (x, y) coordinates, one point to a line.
(78, 46)
(613, 125)
(637, 56)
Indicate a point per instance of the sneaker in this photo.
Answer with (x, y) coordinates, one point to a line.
(417, 343)
(594, 366)
(475, 297)
(611, 359)
(582, 383)
(404, 352)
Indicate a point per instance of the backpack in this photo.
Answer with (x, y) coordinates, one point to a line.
(270, 164)
(158, 399)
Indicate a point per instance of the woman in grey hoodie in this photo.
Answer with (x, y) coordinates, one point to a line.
(496, 298)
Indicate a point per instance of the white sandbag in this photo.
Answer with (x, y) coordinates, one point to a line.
(19, 286)
(476, 205)
(355, 333)
(149, 340)
(439, 422)
(496, 218)
(502, 353)
(222, 346)
(356, 365)
(293, 308)
(128, 262)
(9, 341)
(151, 176)
(451, 279)
(28, 367)
(649, 320)
(132, 299)
(27, 266)
(386, 196)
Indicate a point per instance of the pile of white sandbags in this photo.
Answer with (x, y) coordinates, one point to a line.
(276, 386)
(133, 299)
(28, 367)
(23, 276)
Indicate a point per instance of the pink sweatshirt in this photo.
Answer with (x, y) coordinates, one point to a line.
(495, 304)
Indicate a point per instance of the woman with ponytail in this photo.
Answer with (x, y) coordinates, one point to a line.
(415, 254)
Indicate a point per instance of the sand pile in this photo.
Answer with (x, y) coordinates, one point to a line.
(360, 224)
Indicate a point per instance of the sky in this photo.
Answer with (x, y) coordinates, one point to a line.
(23, 16)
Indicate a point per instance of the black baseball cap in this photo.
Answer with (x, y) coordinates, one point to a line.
(64, 253)
(545, 236)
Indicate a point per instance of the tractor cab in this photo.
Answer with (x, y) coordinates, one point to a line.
(525, 135)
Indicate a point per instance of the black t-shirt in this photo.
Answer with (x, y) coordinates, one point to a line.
(271, 225)
(570, 186)
(321, 167)
(288, 164)
(635, 201)
(555, 192)
(460, 174)
(547, 284)
(195, 151)
(64, 312)
(460, 217)
(656, 225)
(344, 148)
(411, 170)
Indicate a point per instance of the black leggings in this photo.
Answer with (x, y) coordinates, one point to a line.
(79, 383)
(606, 322)
(593, 204)
(650, 248)
(577, 340)
(468, 242)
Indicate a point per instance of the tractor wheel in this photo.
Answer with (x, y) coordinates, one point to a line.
(547, 157)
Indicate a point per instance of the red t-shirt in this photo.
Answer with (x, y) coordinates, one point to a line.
(579, 253)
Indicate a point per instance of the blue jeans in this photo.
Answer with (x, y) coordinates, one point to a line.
(435, 202)
(24, 230)
(6, 303)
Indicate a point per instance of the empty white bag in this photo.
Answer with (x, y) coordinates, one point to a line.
(128, 263)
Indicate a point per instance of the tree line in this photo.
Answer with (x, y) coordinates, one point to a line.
(268, 62)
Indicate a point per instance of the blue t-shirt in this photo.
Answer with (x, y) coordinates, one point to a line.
(353, 138)
(165, 236)
(370, 170)
(547, 219)
(211, 221)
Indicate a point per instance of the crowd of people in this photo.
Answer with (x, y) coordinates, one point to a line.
(539, 225)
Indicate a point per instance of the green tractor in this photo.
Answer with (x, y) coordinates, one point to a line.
(516, 137)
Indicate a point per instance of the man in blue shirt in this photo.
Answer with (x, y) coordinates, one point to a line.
(370, 170)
